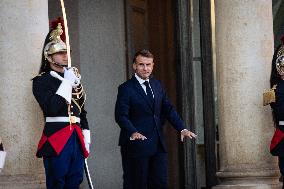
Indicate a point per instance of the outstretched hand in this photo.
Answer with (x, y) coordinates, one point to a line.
(186, 133)
(137, 136)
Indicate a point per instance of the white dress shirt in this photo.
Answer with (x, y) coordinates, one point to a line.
(141, 81)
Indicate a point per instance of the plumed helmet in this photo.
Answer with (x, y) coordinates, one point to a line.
(279, 62)
(56, 39)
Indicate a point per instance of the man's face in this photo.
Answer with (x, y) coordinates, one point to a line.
(60, 58)
(143, 66)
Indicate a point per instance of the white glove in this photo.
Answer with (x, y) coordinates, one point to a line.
(70, 80)
(87, 139)
(70, 76)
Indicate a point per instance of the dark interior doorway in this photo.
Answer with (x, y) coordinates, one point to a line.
(166, 28)
(150, 25)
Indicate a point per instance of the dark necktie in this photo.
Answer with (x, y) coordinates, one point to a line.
(149, 92)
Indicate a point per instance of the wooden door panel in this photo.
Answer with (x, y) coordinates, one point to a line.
(136, 29)
(139, 29)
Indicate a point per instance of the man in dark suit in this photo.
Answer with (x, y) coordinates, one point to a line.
(141, 109)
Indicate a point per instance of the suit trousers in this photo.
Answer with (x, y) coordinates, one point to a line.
(65, 171)
(148, 172)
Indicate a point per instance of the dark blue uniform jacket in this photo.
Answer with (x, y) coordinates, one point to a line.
(53, 105)
(277, 144)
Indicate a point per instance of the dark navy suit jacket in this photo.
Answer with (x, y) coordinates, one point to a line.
(135, 113)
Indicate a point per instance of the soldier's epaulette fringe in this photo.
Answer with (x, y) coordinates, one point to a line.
(38, 75)
(269, 96)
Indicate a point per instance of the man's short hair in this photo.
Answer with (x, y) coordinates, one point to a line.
(144, 53)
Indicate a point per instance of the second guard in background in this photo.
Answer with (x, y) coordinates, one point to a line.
(275, 97)
(65, 140)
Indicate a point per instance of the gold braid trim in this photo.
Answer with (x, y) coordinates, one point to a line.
(78, 96)
(269, 96)
(79, 107)
(85, 97)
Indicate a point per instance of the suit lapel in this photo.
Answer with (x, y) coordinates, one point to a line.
(140, 90)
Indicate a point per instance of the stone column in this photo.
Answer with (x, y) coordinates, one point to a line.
(24, 25)
(244, 49)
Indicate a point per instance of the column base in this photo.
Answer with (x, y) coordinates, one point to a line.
(251, 186)
(22, 181)
(268, 179)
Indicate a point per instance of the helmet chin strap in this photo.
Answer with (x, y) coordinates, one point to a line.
(59, 65)
(55, 63)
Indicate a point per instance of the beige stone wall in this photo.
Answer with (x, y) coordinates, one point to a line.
(24, 25)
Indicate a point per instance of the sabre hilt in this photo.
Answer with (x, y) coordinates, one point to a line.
(1, 145)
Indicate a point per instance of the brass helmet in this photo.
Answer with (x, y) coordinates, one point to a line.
(56, 37)
(279, 63)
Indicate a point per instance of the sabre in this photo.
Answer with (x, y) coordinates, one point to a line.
(86, 168)
(66, 33)
(90, 183)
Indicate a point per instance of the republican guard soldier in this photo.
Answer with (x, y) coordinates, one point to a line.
(275, 97)
(65, 140)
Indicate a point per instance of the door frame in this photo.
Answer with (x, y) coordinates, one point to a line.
(185, 87)
(184, 25)
(208, 92)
